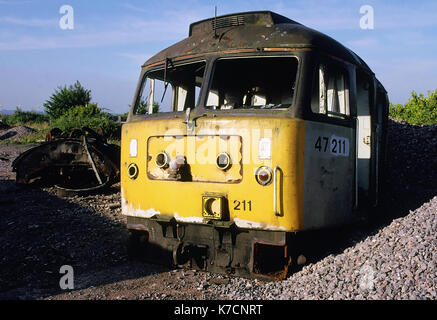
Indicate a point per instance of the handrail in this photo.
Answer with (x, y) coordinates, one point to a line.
(275, 204)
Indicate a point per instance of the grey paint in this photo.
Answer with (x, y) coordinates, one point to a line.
(329, 178)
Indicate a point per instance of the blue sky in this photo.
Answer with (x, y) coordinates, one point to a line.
(111, 39)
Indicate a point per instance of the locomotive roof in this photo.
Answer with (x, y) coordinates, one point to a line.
(253, 30)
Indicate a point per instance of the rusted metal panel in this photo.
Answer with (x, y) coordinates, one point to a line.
(219, 247)
(77, 161)
(270, 260)
(258, 31)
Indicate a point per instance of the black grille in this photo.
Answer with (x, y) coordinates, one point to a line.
(225, 22)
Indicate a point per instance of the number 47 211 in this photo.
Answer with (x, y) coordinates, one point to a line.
(334, 145)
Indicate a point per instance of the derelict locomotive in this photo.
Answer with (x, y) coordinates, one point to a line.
(246, 134)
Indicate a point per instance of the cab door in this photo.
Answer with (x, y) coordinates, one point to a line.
(364, 135)
(330, 151)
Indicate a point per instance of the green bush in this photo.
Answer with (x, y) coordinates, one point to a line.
(65, 98)
(418, 110)
(87, 116)
(20, 117)
(4, 118)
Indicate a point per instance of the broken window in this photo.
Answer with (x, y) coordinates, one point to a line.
(253, 83)
(170, 89)
(331, 92)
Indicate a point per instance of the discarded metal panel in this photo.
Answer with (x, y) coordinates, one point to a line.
(76, 161)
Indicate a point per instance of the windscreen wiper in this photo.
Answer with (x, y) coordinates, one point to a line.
(167, 61)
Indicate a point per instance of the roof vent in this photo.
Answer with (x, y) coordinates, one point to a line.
(254, 18)
(224, 22)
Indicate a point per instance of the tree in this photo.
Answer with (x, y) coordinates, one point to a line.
(65, 98)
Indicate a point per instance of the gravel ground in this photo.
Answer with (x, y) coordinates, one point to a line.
(399, 262)
(13, 133)
(393, 255)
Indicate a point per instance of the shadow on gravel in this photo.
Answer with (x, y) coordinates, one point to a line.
(40, 232)
(410, 181)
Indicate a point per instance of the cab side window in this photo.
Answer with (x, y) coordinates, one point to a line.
(331, 92)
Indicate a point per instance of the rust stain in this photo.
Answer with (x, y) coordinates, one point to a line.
(287, 49)
(200, 55)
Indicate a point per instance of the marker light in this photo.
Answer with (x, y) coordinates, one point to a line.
(223, 161)
(162, 160)
(263, 175)
(132, 171)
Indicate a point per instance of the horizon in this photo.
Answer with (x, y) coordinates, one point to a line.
(110, 40)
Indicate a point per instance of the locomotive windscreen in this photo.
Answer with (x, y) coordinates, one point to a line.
(253, 83)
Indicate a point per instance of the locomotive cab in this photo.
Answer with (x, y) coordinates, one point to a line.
(249, 132)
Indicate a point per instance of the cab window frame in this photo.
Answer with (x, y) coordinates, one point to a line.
(347, 70)
(173, 104)
(213, 66)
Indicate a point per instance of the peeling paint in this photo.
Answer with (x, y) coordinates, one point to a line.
(128, 210)
(189, 219)
(158, 173)
(256, 225)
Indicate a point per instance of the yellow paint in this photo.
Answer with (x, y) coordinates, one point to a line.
(157, 193)
(201, 155)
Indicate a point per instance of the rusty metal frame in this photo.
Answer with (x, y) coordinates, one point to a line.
(278, 275)
(64, 156)
(230, 250)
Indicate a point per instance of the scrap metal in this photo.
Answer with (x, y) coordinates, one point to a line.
(76, 161)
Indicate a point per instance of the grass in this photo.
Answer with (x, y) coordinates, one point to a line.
(39, 135)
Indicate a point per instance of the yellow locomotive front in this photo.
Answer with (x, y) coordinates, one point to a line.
(243, 135)
(218, 189)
